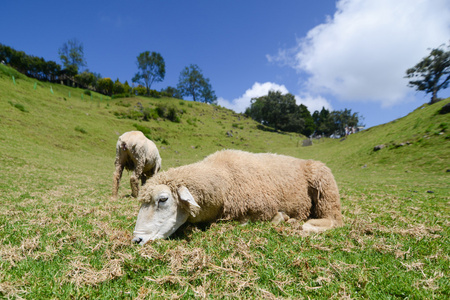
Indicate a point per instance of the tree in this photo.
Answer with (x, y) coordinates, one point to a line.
(53, 70)
(139, 90)
(127, 87)
(72, 55)
(309, 126)
(323, 122)
(342, 119)
(171, 92)
(105, 86)
(279, 112)
(432, 73)
(152, 69)
(191, 83)
(118, 87)
(87, 79)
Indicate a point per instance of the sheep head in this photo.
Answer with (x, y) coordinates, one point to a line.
(162, 212)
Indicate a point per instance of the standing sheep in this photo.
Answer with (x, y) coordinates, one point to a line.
(238, 185)
(136, 153)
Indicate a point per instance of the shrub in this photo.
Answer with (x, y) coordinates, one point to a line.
(139, 90)
(18, 106)
(87, 92)
(135, 115)
(80, 129)
(120, 103)
(149, 114)
(161, 110)
(192, 122)
(172, 114)
(131, 114)
(154, 94)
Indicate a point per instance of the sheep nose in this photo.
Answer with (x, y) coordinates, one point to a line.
(137, 240)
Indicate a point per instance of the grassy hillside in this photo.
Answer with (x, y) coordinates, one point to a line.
(61, 236)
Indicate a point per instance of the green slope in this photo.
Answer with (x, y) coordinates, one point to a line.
(417, 142)
(61, 236)
(83, 129)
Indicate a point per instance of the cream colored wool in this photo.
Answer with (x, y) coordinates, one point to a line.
(136, 153)
(238, 185)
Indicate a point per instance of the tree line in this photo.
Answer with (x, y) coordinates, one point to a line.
(281, 112)
(151, 68)
(32, 66)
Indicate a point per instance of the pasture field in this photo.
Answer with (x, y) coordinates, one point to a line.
(63, 237)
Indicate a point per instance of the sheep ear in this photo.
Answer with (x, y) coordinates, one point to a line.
(187, 197)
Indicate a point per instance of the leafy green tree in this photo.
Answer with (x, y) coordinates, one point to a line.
(171, 92)
(105, 86)
(52, 70)
(127, 87)
(139, 90)
(118, 87)
(71, 54)
(18, 61)
(323, 122)
(6, 53)
(152, 68)
(309, 127)
(342, 119)
(432, 73)
(278, 111)
(87, 79)
(192, 83)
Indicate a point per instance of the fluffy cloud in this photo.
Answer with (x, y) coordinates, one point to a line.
(257, 90)
(362, 52)
(262, 89)
(313, 103)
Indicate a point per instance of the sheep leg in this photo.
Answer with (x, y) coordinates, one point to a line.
(134, 180)
(319, 225)
(116, 178)
(280, 217)
(325, 200)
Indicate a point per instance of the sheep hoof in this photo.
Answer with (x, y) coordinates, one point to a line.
(280, 217)
(243, 222)
(317, 225)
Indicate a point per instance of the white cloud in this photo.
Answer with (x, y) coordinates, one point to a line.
(257, 90)
(363, 51)
(313, 103)
(262, 89)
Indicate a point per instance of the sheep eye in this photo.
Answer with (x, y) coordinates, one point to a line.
(163, 199)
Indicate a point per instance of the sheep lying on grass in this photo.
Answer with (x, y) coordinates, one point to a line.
(136, 153)
(238, 185)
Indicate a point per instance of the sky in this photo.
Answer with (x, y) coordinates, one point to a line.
(345, 54)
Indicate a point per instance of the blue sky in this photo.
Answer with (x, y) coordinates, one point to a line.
(338, 54)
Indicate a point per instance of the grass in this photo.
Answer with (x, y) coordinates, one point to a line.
(62, 236)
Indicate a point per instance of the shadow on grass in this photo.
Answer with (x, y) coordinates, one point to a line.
(185, 231)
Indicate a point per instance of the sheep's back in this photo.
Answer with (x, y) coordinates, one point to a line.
(140, 148)
(263, 184)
